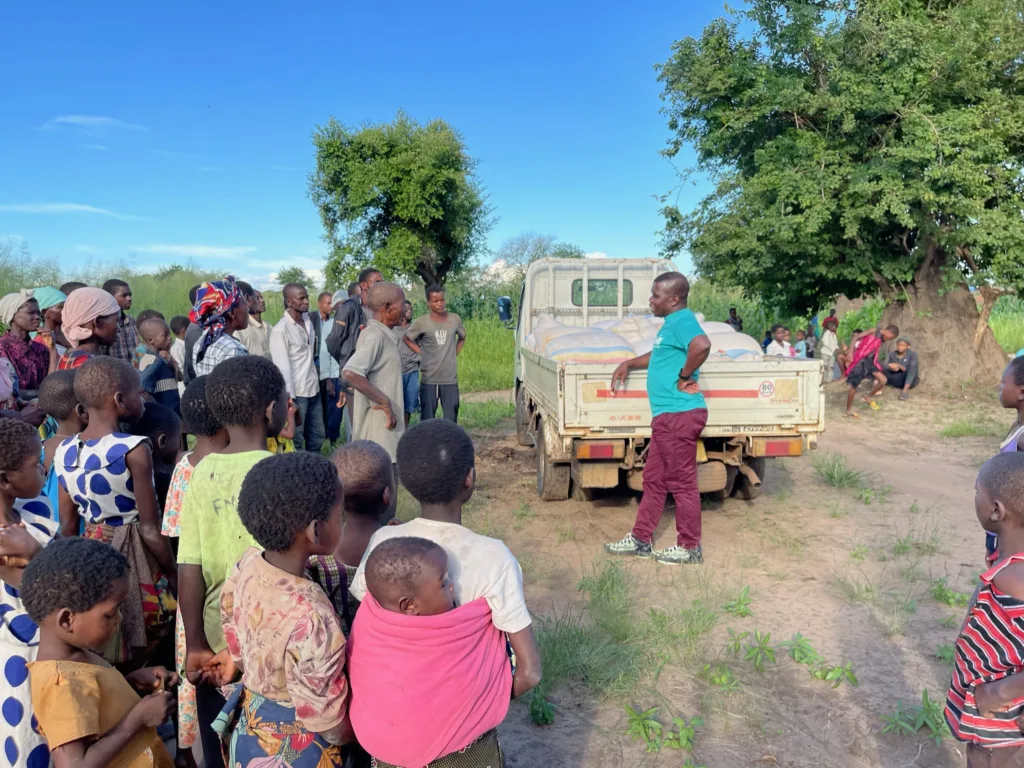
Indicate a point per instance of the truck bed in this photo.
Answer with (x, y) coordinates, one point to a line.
(770, 396)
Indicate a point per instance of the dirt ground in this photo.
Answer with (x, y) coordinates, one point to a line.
(851, 570)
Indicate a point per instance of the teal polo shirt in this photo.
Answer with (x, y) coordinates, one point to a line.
(667, 359)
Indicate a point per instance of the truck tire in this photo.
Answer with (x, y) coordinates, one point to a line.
(744, 489)
(522, 419)
(552, 479)
(731, 474)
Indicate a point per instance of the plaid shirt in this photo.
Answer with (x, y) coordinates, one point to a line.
(334, 578)
(127, 339)
(222, 349)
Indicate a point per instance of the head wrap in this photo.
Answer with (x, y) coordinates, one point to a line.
(214, 301)
(48, 297)
(82, 307)
(338, 297)
(11, 303)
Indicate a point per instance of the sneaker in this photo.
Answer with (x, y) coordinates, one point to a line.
(676, 555)
(627, 545)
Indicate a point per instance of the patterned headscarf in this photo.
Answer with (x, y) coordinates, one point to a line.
(214, 301)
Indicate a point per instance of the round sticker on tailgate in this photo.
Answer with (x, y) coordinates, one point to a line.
(767, 388)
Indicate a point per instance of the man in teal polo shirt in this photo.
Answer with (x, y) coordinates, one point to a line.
(679, 415)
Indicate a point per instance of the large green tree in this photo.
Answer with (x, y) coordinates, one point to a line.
(860, 147)
(296, 275)
(400, 195)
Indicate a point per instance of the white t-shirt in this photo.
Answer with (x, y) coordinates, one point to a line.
(477, 567)
(780, 348)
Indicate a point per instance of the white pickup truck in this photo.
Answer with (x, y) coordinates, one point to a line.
(587, 438)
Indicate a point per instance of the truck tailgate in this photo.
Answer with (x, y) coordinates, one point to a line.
(769, 396)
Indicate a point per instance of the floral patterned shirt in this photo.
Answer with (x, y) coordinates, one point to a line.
(31, 360)
(284, 633)
(172, 509)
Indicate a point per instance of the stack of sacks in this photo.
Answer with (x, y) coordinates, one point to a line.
(589, 345)
(733, 346)
(546, 329)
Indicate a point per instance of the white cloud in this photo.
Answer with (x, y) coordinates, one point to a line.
(92, 123)
(197, 251)
(87, 249)
(97, 147)
(596, 255)
(67, 208)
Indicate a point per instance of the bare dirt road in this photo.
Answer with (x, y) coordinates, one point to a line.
(853, 570)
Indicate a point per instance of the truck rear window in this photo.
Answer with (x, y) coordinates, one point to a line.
(602, 293)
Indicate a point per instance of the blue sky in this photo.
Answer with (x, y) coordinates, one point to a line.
(161, 133)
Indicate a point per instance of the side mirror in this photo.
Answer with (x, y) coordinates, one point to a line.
(505, 309)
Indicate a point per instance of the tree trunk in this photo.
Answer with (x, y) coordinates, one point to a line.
(951, 337)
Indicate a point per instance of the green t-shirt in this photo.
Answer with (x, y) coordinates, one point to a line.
(667, 359)
(212, 535)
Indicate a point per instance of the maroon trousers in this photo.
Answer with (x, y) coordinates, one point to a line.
(671, 467)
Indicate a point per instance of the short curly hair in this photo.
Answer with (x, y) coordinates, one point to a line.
(101, 377)
(434, 458)
(1003, 477)
(283, 494)
(73, 573)
(195, 412)
(18, 441)
(365, 470)
(394, 566)
(240, 389)
(57, 395)
(156, 420)
(1016, 369)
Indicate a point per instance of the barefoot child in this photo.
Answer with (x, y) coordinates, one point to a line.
(437, 465)
(106, 477)
(864, 364)
(365, 471)
(26, 528)
(247, 395)
(430, 681)
(280, 627)
(88, 712)
(57, 400)
(986, 695)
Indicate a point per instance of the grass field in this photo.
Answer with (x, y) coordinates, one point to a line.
(486, 361)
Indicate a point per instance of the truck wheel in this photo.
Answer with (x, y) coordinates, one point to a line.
(744, 489)
(552, 479)
(522, 419)
(731, 474)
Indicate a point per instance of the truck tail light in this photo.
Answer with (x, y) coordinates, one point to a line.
(783, 446)
(600, 449)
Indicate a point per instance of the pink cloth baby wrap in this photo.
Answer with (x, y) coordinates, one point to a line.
(425, 686)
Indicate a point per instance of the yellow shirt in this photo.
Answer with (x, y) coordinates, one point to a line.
(73, 700)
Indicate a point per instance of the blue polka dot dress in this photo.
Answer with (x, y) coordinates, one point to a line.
(96, 477)
(19, 642)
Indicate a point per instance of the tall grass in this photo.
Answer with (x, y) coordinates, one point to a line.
(833, 470)
(486, 361)
(1007, 323)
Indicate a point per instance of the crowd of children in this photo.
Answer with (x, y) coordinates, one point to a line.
(158, 536)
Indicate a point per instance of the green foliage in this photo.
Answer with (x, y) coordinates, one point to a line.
(964, 428)
(486, 360)
(837, 675)
(859, 553)
(735, 644)
(684, 734)
(850, 146)
(400, 195)
(722, 677)
(297, 275)
(542, 711)
(740, 606)
(1007, 321)
(760, 651)
(644, 726)
(906, 721)
(800, 650)
(947, 596)
(485, 415)
(831, 469)
(946, 653)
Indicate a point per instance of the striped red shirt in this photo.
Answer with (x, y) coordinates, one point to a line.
(990, 647)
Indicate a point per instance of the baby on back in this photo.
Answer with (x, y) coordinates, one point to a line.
(410, 575)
